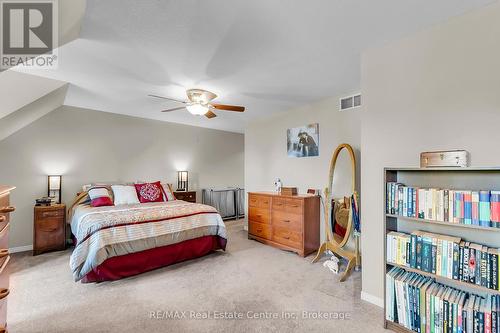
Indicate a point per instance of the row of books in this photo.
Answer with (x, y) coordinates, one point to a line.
(446, 256)
(480, 208)
(422, 305)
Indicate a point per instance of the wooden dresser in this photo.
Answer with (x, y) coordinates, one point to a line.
(5, 210)
(287, 222)
(49, 228)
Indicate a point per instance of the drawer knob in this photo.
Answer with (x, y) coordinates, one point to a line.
(4, 253)
(4, 292)
(286, 237)
(2, 219)
(8, 209)
(259, 230)
(295, 206)
(287, 221)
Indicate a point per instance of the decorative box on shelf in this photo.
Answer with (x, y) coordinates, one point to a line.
(444, 158)
(288, 191)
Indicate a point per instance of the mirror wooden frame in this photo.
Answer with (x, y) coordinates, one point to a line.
(332, 243)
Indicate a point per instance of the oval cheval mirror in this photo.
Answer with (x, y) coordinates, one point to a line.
(339, 217)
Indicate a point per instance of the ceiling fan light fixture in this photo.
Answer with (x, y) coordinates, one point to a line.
(197, 109)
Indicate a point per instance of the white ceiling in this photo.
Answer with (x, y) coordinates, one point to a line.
(268, 55)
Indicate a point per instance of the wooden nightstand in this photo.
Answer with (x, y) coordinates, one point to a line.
(49, 228)
(189, 196)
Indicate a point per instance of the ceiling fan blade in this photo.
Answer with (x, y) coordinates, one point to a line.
(228, 107)
(174, 109)
(170, 99)
(210, 115)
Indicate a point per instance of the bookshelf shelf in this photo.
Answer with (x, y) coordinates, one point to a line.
(448, 224)
(390, 325)
(471, 179)
(447, 280)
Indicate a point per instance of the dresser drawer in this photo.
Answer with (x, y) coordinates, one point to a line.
(51, 214)
(189, 196)
(49, 224)
(259, 201)
(287, 237)
(49, 235)
(264, 202)
(253, 200)
(259, 215)
(286, 220)
(294, 206)
(259, 229)
(279, 204)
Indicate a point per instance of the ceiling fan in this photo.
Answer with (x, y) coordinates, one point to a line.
(200, 103)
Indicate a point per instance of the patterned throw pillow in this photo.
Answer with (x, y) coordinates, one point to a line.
(99, 196)
(168, 192)
(149, 192)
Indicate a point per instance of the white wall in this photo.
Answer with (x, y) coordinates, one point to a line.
(90, 146)
(438, 89)
(266, 150)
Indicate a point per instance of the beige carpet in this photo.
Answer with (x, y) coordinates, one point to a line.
(248, 277)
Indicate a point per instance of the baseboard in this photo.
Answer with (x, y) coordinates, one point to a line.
(372, 299)
(21, 249)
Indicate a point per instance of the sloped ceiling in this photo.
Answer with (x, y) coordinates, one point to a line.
(18, 90)
(268, 55)
(31, 112)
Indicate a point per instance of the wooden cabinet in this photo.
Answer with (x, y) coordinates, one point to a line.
(49, 228)
(287, 222)
(189, 196)
(5, 210)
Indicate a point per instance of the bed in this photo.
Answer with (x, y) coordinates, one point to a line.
(113, 242)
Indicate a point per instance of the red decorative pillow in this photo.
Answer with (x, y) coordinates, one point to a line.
(99, 196)
(149, 192)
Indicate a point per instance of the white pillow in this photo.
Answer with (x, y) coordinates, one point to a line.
(124, 195)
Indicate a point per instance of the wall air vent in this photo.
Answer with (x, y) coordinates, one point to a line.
(350, 102)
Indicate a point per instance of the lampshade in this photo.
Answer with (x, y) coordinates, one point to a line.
(197, 109)
(182, 181)
(54, 187)
(183, 176)
(54, 183)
